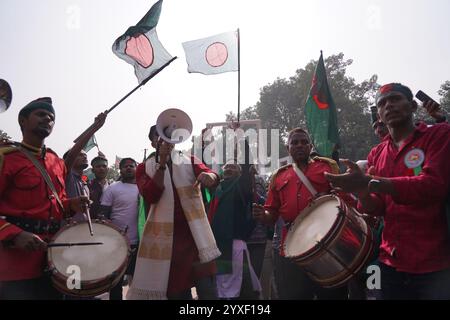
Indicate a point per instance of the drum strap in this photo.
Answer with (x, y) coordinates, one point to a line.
(304, 179)
(44, 174)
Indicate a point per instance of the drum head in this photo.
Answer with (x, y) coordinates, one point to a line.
(311, 226)
(95, 262)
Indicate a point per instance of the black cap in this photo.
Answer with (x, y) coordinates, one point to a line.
(41, 103)
(152, 132)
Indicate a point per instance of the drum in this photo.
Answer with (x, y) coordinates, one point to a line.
(330, 241)
(98, 267)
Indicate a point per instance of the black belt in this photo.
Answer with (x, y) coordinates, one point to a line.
(35, 226)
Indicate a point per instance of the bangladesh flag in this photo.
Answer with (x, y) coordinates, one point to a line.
(140, 46)
(90, 144)
(320, 112)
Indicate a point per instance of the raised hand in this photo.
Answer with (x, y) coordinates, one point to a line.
(434, 110)
(353, 180)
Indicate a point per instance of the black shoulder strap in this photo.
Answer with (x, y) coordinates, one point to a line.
(44, 174)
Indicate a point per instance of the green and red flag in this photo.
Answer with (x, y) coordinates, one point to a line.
(320, 113)
(90, 144)
(140, 46)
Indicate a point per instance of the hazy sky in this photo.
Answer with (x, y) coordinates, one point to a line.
(62, 49)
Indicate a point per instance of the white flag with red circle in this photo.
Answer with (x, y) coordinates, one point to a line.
(213, 55)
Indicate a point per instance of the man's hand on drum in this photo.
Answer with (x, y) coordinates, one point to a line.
(353, 180)
(29, 242)
(79, 204)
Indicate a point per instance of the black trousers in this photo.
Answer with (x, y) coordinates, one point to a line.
(294, 284)
(397, 285)
(116, 293)
(30, 289)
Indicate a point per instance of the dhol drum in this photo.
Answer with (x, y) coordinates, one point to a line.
(88, 271)
(330, 241)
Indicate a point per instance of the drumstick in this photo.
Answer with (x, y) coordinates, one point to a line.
(91, 231)
(88, 215)
(50, 245)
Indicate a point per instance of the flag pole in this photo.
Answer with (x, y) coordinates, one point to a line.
(141, 84)
(239, 75)
(96, 144)
(129, 94)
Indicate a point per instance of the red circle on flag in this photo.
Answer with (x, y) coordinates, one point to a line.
(139, 48)
(217, 54)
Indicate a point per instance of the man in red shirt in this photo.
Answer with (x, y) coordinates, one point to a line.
(29, 212)
(408, 183)
(186, 270)
(287, 197)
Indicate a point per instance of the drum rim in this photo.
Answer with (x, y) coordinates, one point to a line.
(88, 285)
(327, 238)
(359, 262)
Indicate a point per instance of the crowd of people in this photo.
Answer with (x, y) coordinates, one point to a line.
(232, 243)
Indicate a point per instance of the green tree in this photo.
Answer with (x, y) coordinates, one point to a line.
(444, 92)
(4, 135)
(281, 105)
(113, 173)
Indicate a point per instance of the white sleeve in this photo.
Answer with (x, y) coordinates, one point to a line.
(107, 197)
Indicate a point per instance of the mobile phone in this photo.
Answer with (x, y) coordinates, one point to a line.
(423, 97)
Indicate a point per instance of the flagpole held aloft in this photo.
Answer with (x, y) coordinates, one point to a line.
(140, 85)
(129, 94)
(239, 75)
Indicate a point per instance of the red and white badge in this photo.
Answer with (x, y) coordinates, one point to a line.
(414, 158)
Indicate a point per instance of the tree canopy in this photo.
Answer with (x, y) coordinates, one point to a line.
(281, 105)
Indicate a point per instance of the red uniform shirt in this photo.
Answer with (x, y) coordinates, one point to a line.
(185, 266)
(288, 196)
(24, 193)
(415, 236)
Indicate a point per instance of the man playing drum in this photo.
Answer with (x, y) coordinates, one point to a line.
(287, 197)
(30, 212)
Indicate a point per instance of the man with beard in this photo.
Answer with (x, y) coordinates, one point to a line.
(31, 208)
